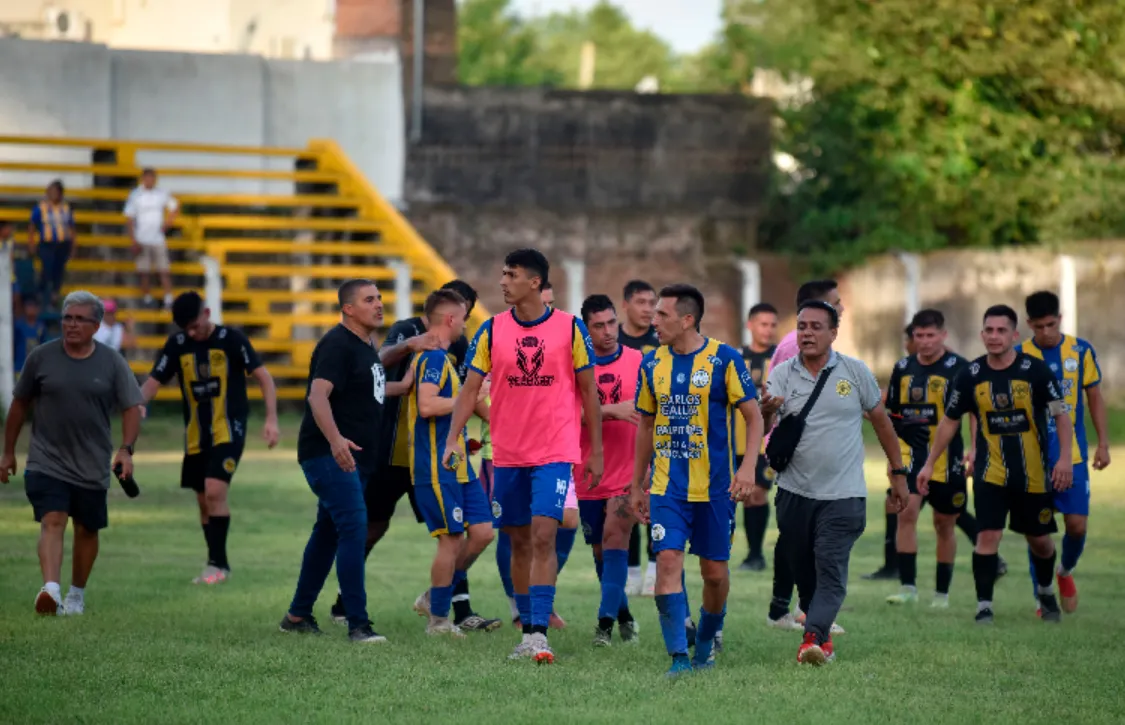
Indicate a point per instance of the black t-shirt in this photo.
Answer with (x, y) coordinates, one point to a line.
(919, 393)
(394, 431)
(646, 343)
(213, 384)
(358, 393)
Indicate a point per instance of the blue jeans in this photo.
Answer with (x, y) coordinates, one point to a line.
(339, 535)
(52, 259)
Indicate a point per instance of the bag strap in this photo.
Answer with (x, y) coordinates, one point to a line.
(821, 380)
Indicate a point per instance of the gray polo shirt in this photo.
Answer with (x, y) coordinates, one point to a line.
(828, 462)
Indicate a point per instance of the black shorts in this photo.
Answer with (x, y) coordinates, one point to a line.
(763, 474)
(219, 462)
(48, 494)
(1033, 514)
(384, 489)
(948, 498)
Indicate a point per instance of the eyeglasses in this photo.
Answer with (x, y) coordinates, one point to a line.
(77, 319)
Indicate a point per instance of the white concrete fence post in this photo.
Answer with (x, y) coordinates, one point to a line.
(213, 288)
(1068, 294)
(912, 265)
(575, 270)
(404, 289)
(7, 321)
(751, 292)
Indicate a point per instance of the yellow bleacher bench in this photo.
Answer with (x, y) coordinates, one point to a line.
(234, 200)
(274, 223)
(307, 177)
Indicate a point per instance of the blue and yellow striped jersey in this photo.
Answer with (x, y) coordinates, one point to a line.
(53, 222)
(694, 399)
(1074, 364)
(427, 435)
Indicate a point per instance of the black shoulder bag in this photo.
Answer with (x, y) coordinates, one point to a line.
(787, 434)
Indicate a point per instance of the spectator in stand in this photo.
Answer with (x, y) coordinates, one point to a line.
(115, 334)
(51, 234)
(17, 254)
(28, 332)
(150, 212)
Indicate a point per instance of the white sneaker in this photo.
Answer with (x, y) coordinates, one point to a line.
(648, 588)
(422, 604)
(74, 604)
(541, 651)
(211, 575)
(48, 603)
(787, 622)
(524, 649)
(837, 629)
(443, 627)
(941, 601)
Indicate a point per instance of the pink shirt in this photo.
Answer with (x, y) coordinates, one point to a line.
(617, 383)
(534, 366)
(786, 349)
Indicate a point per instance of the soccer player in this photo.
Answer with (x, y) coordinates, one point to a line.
(212, 362)
(1012, 395)
(606, 519)
(918, 392)
(689, 391)
(541, 360)
(762, 323)
(1074, 364)
(451, 499)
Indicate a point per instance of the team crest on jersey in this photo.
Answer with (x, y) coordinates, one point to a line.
(458, 514)
(1002, 400)
(1021, 390)
(1070, 365)
(937, 385)
(903, 363)
(229, 465)
(843, 388)
(531, 353)
(974, 369)
(958, 500)
(496, 510)
(657, 532)
(950, 361)
(916, 394)
(1045, 516)
(1026, 364)
(700, 378)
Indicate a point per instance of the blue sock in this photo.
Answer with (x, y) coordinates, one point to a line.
(523, 604)
(673, 612)
(613, 583)
(709, 624)
(599, 567)
(564, 542)
(542, 604)
(459, 576)
(440, 600)
(1071, 550)
(683, 588)
(504, 563)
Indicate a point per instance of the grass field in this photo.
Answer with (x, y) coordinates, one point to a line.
(154, 649)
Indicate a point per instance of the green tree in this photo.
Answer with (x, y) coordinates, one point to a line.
(498, 48)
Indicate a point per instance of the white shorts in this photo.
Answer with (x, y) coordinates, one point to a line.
(153, 258)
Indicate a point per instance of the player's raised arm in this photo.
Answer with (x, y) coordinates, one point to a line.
(392, 353)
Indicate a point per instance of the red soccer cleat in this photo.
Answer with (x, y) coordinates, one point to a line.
(811, 653)
(1068, 592)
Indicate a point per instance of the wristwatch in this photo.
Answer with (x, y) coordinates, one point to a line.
(128, 448)
(900, 472)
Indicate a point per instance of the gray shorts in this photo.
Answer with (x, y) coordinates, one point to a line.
(153, 258)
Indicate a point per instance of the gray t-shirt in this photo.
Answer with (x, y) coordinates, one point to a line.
(828, 462)
(71, 436)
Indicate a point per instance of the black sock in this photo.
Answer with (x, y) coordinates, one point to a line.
(782, 585)
(207, 539)
(755, 519)
(624, 616)
(908, 568)
(219, 526)
(526, 628)
(1044, 569)
(984, 575)
(635, 546)
(461, 606)
(605, 623)
(944, 577)
(968, 524)
(890, 553)
(538, 629)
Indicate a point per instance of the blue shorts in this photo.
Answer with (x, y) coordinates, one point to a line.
(520, 493)
(1076, 499)
(592, 514)
(448, 508)
(707, 525)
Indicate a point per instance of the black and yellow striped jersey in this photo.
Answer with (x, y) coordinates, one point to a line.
(1012, 408)
(758, 363)
(919, 393)
(213, 383)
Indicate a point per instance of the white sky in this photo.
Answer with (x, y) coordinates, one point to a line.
(686, 24)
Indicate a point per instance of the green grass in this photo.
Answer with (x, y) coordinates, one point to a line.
(154, 649)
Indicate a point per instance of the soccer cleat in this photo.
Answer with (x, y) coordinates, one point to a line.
(630, 631)
(689, 625)
(836, 629)
(786, 621)
(211, 575)
(906, 596)
(602, 637)
(339, 614)
(541, 652)
(681, 666)
(366, 635)
(813, 653)
(881, 574)
(753, 563)
(799, 617)
(47, 603)
(422, 604)
(941, 601)
(635, 582)
(984, 616)
(648, 587)
(1049, 608)
(305, 626)
(556, 622)
(476, 623)
(1068, 592)
(73, 605)
(523, 649)
(443, 627)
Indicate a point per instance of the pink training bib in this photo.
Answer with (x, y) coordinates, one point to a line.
(617, 383)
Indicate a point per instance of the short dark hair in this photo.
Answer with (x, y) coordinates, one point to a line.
(531, 260)
(1002, 311)
(761, 308)
(908, 330)
(928, 318)
(148, 170)
(186, 308)
(833, 315)
(545, 286)
(57, 184)
(634, 286)
(594, 304)
(463, 288)
(347, 292)
(814, 290)
(1042, 304)
(440, 297)
(689, 300)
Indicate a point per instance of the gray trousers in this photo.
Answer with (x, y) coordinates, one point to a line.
(819, 536)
